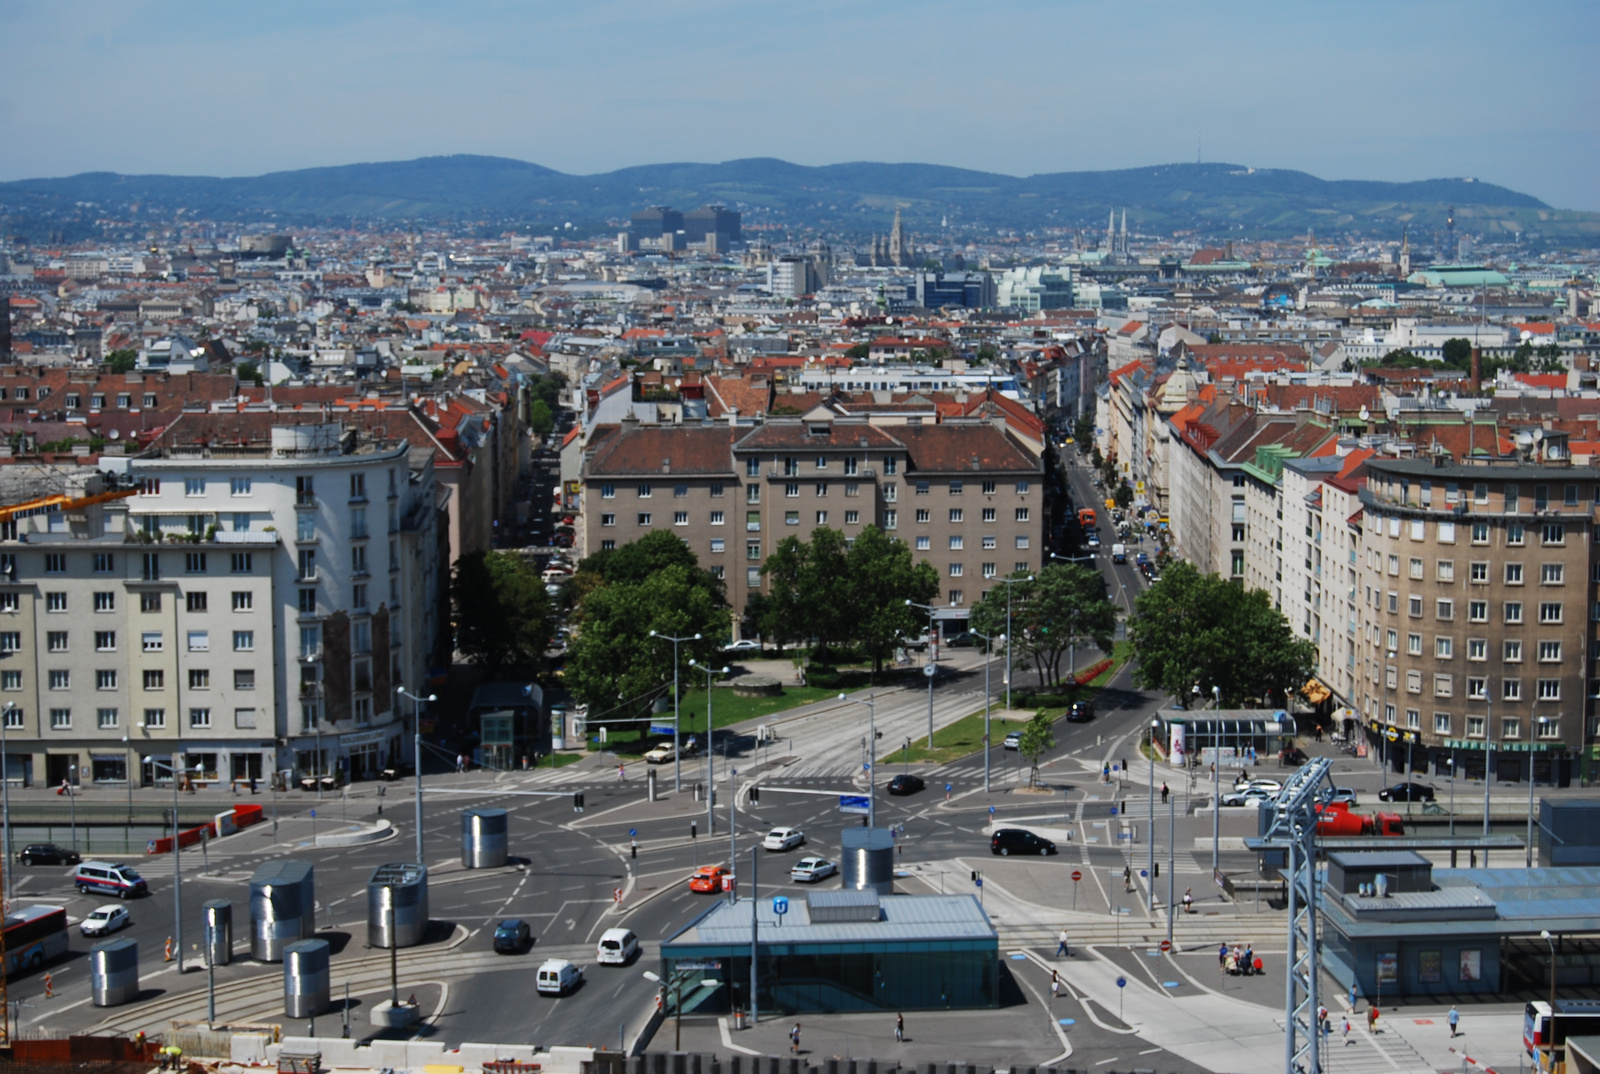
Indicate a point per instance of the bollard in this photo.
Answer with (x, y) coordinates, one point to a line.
(650, 785)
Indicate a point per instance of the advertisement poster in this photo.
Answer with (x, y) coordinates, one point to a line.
(1430, 967)
(1472, 965)
(1388, 968)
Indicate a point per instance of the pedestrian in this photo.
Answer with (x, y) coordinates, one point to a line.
(1055, 989)
(1164, 793)
(1061, 945)
(794, 1039)
(1127, 878)
(899, 1028)
(622, 773)
(1222, 957)
(1347, 1030)
(1455, 1019)
(1352, 995)
(524, 762)
(1188, 900)
(461, 762)
(1372, 1019)
(1249, 959)
(1322, 1018)
(1105, 773)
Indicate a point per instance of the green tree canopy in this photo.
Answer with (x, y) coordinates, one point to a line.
(502, 611)
(638, 560)
(1065, 605)
(1038, 737)
(540, 419)
(122, 360)
(1192, 629)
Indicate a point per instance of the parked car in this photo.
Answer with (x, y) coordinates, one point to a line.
(743, 645)
(1080, 712)
(512, 937)
(105, 919)
(1250, 796)
(707, 879)
(1406, 792)
(617, 947)
(810, 870)
(964, 640)
(557, 976)
(1343, 795)
(783, 839)
(905, 783)
(1013, 741)
(48, 854)
(1018, 841)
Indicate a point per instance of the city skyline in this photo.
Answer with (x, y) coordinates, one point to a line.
(1342, 94)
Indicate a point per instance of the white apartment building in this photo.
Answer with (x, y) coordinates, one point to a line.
(253, 608)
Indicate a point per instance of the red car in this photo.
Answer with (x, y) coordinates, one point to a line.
(707, 878)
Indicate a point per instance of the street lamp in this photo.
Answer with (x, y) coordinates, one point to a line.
(1216, 779)
(1450, 763)
(1388, 710)
(711, 813)
(1488, 752)
(988, 662)
(416, 749)
(1008, 583)
(5, 798)
(932, 656)
(127, 772)
(677, 759)
(1544, 934)
(1150, 840)
(872, 756)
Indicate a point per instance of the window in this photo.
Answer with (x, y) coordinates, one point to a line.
(889, 465)
(752, 521)
(1514, 534)
(1444, 648)
(10, 680)
(956, 597)
(60, 719)
(149, 602)
(155, 680)
(1478, 572)
(239, 486)
(891, 519)
(199, 679)
(308, 601)
(680, 491)
(1416, 567)
(988, 514)
(680, 518)
(105, 679)
(956, 570)
(244, 641)
(752, 494)
(1444, 608)
(1513, 574)
(358, 596)
(1477, 648)
(608, 492)
(305, 527)
(199, 717)
(608, 520)
(1549, 652)
(644, 490)
(1414, 644)
(822, 462)
(105, 641)
(752, 577)
(852, 518)
(1394, 600)
(60, 680)
(1022, 541)
(716, 488)
(1511, 651)
(1394, 565)
(791, 490)
(194, 486)
(891, 493)
(358, 523)
(195, 601)
(1413, 682)
(955, 488)
(752, 550)
(308, 564)
(822, 518)
(924, 543)
(305, 491)
(55, 602)
(10, 602)
(922, 514)
(358, 559)
(1550, 611)
(105, 562)
(955, 514)
(1553, 533)
(1511, 728)
(199, 641)
(1022, 514)
(55, 641)
(1511, 690)
(105, 602)
(1443, 685)
(1552, 574)
(150, 641)
(1478, 611)
(1549, 689)
(716, 570)
(194, 563)
(1477, 689)
(1414, 605)
(1445, 570)
(922, 488)
(1513, 611)
(1413, 718)
(956, 543)
(850, 466)
(1441, 723)
(55, 563)
(1547, 727)
(717, 545)
(791, 518)
(1474, 726)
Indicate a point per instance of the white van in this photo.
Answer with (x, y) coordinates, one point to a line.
(555, 576)
(557, 976)
(617, 947)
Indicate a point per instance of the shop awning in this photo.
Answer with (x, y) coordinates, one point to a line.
(1315, 692)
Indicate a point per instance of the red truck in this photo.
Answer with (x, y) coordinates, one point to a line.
(1336, 820)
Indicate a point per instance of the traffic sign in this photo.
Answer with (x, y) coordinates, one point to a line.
(1076, 875)
(991, 811)
(979, 882)
(780, 904)
(616, 894)
(313, 814)
(632, 832)
(1166, 945)
(929, 670)
(854, 803)
(1122, 982)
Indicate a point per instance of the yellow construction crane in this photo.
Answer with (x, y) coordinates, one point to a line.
(49, 505)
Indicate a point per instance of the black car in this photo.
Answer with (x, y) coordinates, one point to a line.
(1406, 792)
(1016, 841)
(906, 783)
(48, 854)
(512, 937)
(1080, 712)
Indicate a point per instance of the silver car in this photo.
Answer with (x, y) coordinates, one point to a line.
(810, 870)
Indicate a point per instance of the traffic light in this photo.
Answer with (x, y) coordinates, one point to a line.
(755, 794)
(974, 876)
(577, 802)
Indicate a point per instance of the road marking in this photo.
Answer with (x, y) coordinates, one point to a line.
(1150, 1051)
(1103, 1062)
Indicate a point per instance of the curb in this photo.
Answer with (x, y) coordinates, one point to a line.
(374, 834)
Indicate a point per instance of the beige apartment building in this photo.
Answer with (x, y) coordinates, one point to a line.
(964, 494)
(1475, 607)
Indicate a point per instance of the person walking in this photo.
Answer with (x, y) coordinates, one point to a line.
(1164, 793)
(461, 762)
(622, 772)
(1455, 1019)
(1105, 773)
(1061, 946)
(1055, 989)
(794, 1039)
(1347, 1030)
(1352, 995)
(1188, 900)
(1322, 1018)
(1372, 1019)
(1127, 878)
(1222, 957)
(899, 1028)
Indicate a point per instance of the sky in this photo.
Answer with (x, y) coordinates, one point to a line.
(1350, 89)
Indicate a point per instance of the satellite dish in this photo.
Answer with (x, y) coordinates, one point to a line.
(1538, 435)
(1525, 439)
(1526, 335)
(1366, 415)
(114, 434)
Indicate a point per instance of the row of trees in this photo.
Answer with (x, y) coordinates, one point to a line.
(1062, 607)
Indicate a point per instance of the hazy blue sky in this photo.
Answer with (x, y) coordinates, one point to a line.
(1397, 89)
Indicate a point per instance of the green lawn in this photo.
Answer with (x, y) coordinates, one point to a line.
(558, 760)
(952, 741)
(727, 708)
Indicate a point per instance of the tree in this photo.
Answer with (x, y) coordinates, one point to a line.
(1064, 605)
(249, 371)
(1038, 736)
(1200, 630)
(540, 420)
(882, 578)
(859, 351)
(1123, 496)
(636, 561)
(122, 360)
(502, 611)
(548, 388)
(1457, 353)
(1083, 432)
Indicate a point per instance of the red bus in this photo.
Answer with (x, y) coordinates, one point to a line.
(1086, 517)
(34, 936)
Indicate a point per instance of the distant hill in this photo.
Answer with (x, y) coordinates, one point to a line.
(493, 193)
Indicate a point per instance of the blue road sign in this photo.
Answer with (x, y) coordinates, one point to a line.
(1122, 982)
(632, 832)
(1113, 811)
(991, 811)
(854, 803)
(661, 729)
(313, 813)
(979, 881)
(780, 904)
(947, 787)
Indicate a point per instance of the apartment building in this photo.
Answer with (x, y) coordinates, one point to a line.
(1474, 611)
(1321, 549)
(253, 608)
(965, 494)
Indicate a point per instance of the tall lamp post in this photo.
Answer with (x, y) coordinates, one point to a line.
(677, 754)
(1216, 779)
(1488, 752)
(711, 812)
(1008, 583)
(1544, 934)
(177, 859)
(932, 657)
(1150, 839)
(988, 662)
(416, 749)
(5, 799)
(872, 755)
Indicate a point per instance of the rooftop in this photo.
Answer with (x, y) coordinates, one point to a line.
(903, 919)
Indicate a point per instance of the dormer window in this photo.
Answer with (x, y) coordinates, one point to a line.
(820, 430)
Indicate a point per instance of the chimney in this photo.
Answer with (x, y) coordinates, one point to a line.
(1477, 370)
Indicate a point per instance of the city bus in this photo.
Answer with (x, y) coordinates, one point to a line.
(34, 936)
(1545, 1035)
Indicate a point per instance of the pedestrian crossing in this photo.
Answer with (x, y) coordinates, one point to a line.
(1384, 1052)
